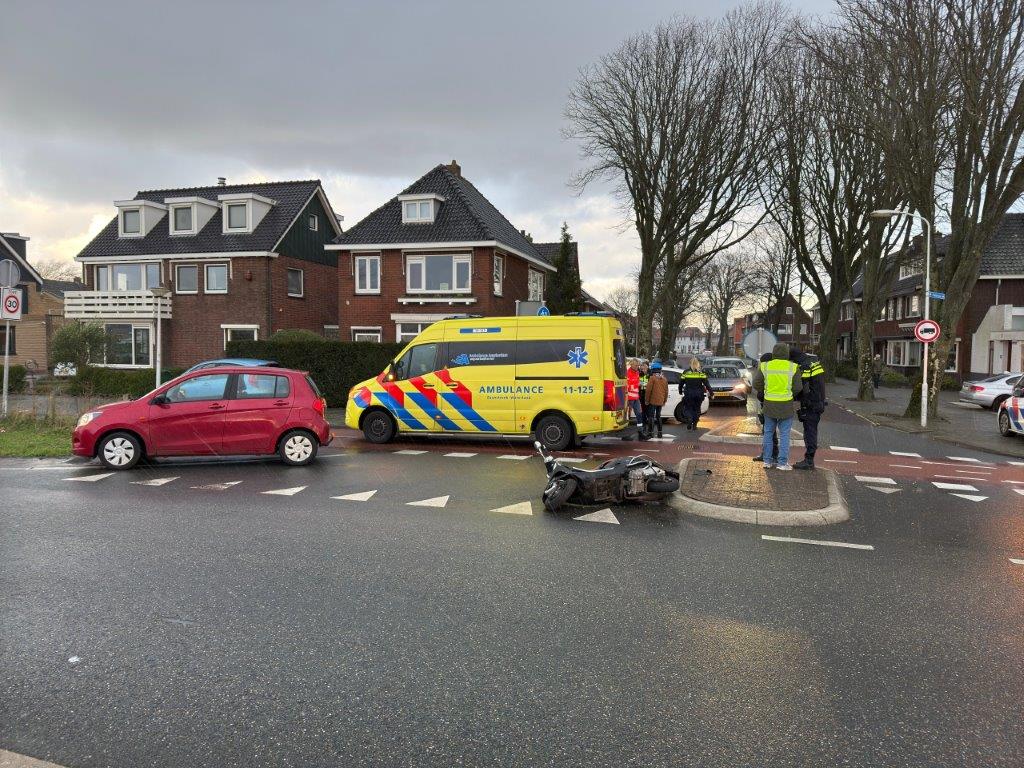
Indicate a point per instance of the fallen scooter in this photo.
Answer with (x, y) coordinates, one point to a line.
(629, 478)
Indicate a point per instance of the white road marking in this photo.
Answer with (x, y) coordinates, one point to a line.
(817, 542)
(44, 469)
(668, 439)
(513, 457)
(969, 496)
(156, 481)
(842, 461)
(906, 466)
(961, 477)
(964, 458)
(409, 452)
(844, 448)
(216, 486)
(940, 463)
(884, 489)
(437, 501)
(954, 486)
(285, 491)
(877, 480)
(973, 471)
(1018, 490)
(1015, 482)
(16, 760)
(522, 508)
(89, 478)
(1016, 561)
(601, 516)
(1016, 463)
(361, 496)
(908, 454)
(458, 455)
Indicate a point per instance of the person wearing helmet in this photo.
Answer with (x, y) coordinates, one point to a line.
(657, 396)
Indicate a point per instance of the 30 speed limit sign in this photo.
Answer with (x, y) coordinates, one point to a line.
(927, 331)
(10, 304)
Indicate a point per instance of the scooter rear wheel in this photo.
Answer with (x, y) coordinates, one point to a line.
(558, 492)
(668, 485)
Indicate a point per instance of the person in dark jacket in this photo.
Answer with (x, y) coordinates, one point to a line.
(760, 417)
(812, 403)
(692, 385)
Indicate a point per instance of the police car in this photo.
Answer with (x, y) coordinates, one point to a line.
(1011, 414)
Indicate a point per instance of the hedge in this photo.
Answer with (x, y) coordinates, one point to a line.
(334, 365)
(115, 382)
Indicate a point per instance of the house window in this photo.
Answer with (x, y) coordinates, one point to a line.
(314, 222)
(954, 358)
(536, 286)
(499, 273)
(216, 278)
(13, 349)
(295, 283)
(803, 329)
(131, 221)
(367, 333)
(186, 278)
(903, 354)
(102, 281)
(128, 277)
(182, 220)
(785, 329)
(368, 274)
(908, 270)
(417, 211)
(331, 332)
(127, 345)
(240, 333)
(915, 306)
(438, 273)
(237, 216)
(408, 331)
(789, 310)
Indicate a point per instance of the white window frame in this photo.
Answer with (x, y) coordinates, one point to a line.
(367, 330)
(786, 328)
(177, 267)
(423, 325)
(956, 357)
(229, 230)
(355, 272)
(789, 310)
(206, 277)
(226, 329)
(120, 222)
(530, 285)
(909, 270)
(170, 219)
(431, 203)
(803, 329)
(499, 274)
(421, 259)
(914, 305)
(313, 221)
(302, 280)
(132, 365)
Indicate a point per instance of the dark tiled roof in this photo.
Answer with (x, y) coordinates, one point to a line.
(549, 251)
(57, 287)
(290, 196)
(464, 216)
(8, 250)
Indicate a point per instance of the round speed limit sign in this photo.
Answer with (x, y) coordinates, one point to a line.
(927, 331)
(10, 304)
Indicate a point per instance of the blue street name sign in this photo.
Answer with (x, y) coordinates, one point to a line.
(936, 295)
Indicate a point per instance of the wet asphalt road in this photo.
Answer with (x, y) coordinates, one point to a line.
(224, 626)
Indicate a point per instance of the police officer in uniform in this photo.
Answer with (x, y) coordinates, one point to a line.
(692, 386)
(778, 381)
(812, 403)
(760, 417)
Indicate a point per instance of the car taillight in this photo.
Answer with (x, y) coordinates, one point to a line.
(610, 400)
(976, 388)
(320, 406)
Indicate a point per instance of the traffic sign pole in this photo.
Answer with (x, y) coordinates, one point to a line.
(7, 364)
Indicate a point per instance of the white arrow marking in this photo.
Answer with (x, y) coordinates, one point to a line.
(89, 478)
(522, 508)
(954, 486)
(817, 542)
(437, 501)
(155, 481)
(969, 496)
(878, 480)
(601, 516)
(361, 496)
(884, 489)
(964, 458)
(216, 486)
(1016, 561)
(1019, 490)
(902, 453)
(841, 448)
(285, 491)
(409, 452)
(513, 457)
(457, 455)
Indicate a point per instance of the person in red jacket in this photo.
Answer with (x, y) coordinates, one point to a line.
(633, 398)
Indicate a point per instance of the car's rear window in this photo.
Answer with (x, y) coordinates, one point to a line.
(265, 385)
(619, 349)
(722, 372)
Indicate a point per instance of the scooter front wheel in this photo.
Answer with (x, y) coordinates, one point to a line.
(668, 485)
(558, 492)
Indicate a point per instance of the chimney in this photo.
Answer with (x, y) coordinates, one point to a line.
(222, 181)
(455, 168)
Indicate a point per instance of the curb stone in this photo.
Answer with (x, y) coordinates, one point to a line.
(835, 512)
(713, 437)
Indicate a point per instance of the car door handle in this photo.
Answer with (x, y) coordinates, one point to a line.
(453, 385)
(427, 386)
(280, 402)
(216, 407)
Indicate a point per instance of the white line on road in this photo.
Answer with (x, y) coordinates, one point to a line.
(964, 458)
(969, 496)
(409, 452)
(16, 760)
(437, 501)
(361, 496)
(601, 516)
(216, 486)
(876, 480)
(1014, 482)
(884, 489)
(907, 454)
(973, 471)
(158, 481)
(842, 461)
(1016, 561)
(906, 466)
(89, 478)
(961, 477)
(1016, 463)
(816, 542)
(940, 463)
(285, 491)
(1019, 490)
(522, 508)
(954, 486)
(513, 457)
(844, 448)
(458, 455)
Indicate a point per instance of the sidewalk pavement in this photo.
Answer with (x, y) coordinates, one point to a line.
(968, 426)
(738, 489)
(746, 430)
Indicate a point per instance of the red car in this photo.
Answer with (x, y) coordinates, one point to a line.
(224, 411)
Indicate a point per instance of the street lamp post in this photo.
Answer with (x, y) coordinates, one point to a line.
(887, 214)
(159, 292)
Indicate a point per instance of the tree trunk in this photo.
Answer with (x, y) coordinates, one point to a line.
(669, 325)
(865, 360)
(827, 339)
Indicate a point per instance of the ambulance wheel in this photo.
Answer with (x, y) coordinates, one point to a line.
(1004, 424)
(678, 413)
(379, 427)
(555, 432)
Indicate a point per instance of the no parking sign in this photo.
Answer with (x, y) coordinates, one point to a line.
(10, 304)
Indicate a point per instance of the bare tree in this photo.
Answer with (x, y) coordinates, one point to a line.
(677, 301)
(731, 282)
(675, 118)
(775, 272)
(58, 269)
(622, 301)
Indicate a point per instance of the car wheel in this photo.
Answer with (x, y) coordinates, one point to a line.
(554, 432)
(998, 402)
(119, 450)
(1004, 424)
(297, 448)
(678, 413)
(558, 492)
(379, 427)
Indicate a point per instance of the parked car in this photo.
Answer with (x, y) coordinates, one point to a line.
(726, 382)
(243, 362)
(990, 392)
(1011, 413)
(226, 411)
(737, 362)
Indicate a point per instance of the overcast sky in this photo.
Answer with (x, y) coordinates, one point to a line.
(101, 99)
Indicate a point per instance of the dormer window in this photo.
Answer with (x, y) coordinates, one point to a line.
(181, 220)
(238, 216)
(131, 221)
(419, 209)
(242, 212)
(189, 214)
(136, 218)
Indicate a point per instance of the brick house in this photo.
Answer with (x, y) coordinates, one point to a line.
(689, 341)
(42, 308)
(438, 248)
(241, 261)
(794, 323)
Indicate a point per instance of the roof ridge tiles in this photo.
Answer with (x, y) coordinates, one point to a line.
(228, 186)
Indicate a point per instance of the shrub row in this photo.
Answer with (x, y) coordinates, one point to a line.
(334, 365)
(15, 377)
(115, 382)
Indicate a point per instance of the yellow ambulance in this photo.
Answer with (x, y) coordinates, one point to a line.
(560, 377)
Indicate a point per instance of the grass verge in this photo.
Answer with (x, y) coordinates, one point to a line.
(24, 435)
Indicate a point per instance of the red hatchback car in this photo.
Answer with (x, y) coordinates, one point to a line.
(226, 411)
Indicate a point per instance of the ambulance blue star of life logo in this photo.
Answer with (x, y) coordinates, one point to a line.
(462, 359)
(577, 357)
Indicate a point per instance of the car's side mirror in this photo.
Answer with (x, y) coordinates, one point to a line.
(1018, 392)
(160, 400)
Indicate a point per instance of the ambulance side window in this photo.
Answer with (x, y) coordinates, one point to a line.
(419, 360)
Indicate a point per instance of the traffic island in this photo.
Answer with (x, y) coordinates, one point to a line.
(738, 489)
(746, 430)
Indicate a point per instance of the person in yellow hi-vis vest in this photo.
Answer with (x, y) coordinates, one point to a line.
(777, 382)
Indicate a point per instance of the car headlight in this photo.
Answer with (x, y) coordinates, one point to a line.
(87, 417)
